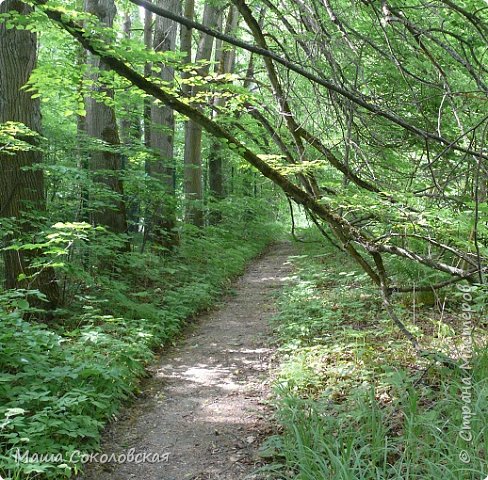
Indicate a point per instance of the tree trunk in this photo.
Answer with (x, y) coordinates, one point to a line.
(126, 123)
(226, 62)
(130, 134)
(82, 215)
(186, 41)
(193, 185)
(148, 41)
(162, 167)
(101, 124)
(21, 187)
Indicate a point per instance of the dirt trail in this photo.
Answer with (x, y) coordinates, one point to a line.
(205, 405)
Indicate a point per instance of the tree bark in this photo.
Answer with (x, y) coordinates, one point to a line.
(193, 184)
(126, 123)
(162, 166)
(130, 134)
(226, 60)
(101, 124)
(186, 41)
(148, 41)
(21, 185)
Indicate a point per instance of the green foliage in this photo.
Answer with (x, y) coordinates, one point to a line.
(59, 386)
(353, 399)
(58, 391)
(62, 381)
(16, 137)
(350, 400)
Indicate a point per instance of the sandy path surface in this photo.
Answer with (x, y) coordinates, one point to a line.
(204, 410)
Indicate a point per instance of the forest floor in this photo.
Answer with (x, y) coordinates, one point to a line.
(204, 410)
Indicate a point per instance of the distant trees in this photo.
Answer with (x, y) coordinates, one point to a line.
(161, 166)
(368, 117)
(193, 178)
(312, 110)
(225, 57)
(100, 123)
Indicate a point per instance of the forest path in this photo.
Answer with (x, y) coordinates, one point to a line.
(205, 405)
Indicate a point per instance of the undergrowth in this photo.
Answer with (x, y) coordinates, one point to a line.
(353, 400)
(61, 382)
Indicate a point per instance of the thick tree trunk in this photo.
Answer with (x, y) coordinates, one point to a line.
(162, 167)
(21, 187)
(193, 184)
(101, 124)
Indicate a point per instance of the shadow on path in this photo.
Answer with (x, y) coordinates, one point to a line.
(204, 409)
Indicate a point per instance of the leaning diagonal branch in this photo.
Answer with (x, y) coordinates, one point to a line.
(354, 97)
(346, 233)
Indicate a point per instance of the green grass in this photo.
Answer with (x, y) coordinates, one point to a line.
(60, 384)
(352, 399)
